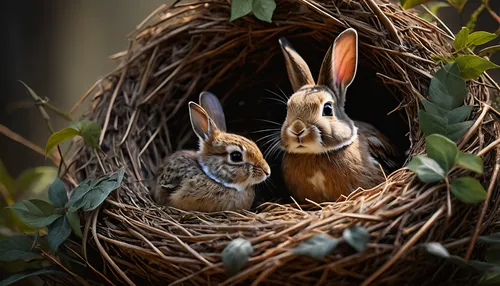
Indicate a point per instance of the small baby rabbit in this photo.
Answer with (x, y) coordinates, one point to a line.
(221, 175)
(327, 153)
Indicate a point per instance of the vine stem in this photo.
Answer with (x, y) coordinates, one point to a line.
(39, 103)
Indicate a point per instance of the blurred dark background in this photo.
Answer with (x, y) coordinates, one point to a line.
(60, 48)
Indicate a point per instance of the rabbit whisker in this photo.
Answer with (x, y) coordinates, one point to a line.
(268, 121)
(266, 130)
(279, 96)
(276, 99)
(284, 94)
(271, 141)
(272, 135)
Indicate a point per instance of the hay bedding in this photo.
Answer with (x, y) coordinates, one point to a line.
(181, 50)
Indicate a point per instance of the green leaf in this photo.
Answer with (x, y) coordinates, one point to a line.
(240, 8)
(493, 255)
(492, 238)
(89, 130)
(472, 66)
(74, 222)
(263, 9)
(427, 170)
(442, 150)
(35, 213)
(468, 190)
(58, 137)
(491, 277)
(317, 247)
(432, 124)
(433, 109)
(357, 237)
(458, 114)
(36, 180)
(59, 231)
(236, 255)
(407, 4)
(447, 89)
(18, 277)
(457, 130)
(91, 193)
(453, 116)
(480, 38)
(436, 249)
(458, 4)
(17, 247)
(470, 162)
(57, 194)
(461, 39)
(6, 179)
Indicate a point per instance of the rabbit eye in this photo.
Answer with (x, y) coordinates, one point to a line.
(236, 157)
(328, 109)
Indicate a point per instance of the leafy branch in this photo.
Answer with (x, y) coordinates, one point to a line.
(442, 124)
(61, 216)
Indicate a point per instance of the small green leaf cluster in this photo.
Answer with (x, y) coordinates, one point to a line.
(442, 124)
(444, 112)
(88, 130)
(488, 269)
(471, 66)
(442, 157)
(320, 246)
(60, 216)
(236, 254)
(261, 9)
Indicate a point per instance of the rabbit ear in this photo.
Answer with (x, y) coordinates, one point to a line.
(298, 71)
(202, 125)
(340, 63)
(212, 106)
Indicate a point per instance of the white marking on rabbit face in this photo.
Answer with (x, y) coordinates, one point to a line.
(318, 181)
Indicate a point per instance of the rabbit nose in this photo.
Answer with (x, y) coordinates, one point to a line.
(298, 128)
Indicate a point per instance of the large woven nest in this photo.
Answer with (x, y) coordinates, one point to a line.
(184, 49)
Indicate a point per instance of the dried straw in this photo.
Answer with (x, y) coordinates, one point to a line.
(185, 48)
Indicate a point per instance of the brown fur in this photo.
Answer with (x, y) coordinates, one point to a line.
(209, 180)
(327, 154)
(183, 185)
(344, 171)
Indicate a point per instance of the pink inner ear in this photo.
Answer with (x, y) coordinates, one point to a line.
(345, 59)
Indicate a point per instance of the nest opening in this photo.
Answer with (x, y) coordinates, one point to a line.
(254, 107)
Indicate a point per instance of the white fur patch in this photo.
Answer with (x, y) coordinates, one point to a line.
(318, 181)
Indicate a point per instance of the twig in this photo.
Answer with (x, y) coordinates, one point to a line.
(20, 139)
(103, 252)
(483, 212)
(56, 261)
(405, 247)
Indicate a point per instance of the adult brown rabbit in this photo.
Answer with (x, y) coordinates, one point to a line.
(221, 175)
(328, 154)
